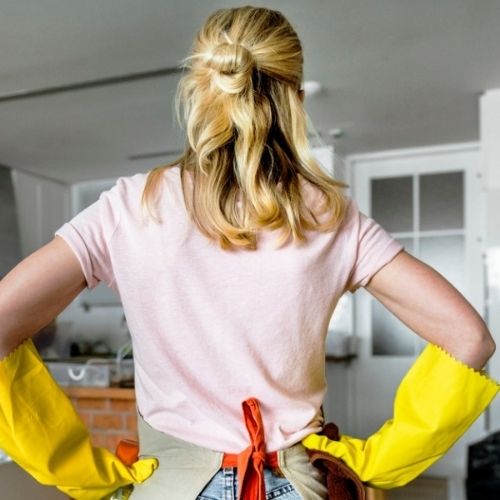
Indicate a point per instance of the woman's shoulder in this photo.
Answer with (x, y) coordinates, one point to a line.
(314, 199)
(130, 185)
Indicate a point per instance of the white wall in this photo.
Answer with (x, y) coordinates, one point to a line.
(490, 145)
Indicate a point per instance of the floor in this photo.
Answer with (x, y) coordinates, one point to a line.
(18, 485)
(422, 488)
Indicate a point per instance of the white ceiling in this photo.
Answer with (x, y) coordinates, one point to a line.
(395, 73)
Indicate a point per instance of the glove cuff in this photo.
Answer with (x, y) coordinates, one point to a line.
(437, 375)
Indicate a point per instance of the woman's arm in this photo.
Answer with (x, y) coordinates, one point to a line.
(430, 306)
(35, 291)
(439, 397)
(39, 427)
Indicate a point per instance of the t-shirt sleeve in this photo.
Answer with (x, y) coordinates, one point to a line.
(373, 246)
(89, 234)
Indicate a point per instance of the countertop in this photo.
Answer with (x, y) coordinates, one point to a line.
(100, 392)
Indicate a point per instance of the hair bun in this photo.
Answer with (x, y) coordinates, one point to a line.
(234, 65)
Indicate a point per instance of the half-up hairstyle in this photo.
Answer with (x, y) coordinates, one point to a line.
(247, 151)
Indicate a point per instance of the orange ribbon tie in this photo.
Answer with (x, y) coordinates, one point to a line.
(250, 462)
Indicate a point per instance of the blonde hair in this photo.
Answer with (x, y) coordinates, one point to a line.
(247, 133)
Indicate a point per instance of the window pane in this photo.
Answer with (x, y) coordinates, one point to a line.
(409, 244)
(389, 335)
(446, 254)
(442, 201)
(392, 203)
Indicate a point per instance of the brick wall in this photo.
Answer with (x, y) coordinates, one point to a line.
(109, 413)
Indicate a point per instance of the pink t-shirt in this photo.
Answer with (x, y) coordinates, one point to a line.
(211, 328)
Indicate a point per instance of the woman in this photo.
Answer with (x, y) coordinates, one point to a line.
(229, 263)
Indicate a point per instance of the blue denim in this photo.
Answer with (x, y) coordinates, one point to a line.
(224, 486)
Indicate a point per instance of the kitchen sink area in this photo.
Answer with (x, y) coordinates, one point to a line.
(92, 372)
(83, 362)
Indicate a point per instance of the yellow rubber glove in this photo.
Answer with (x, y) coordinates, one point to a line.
(41, 431)
(436, 402)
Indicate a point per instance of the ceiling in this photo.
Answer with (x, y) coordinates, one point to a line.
(395, 74)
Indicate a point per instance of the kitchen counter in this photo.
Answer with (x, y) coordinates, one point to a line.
(100, 393)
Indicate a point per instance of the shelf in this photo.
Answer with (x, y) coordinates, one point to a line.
(340, 359)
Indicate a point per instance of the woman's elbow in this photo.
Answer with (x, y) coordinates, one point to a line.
(490, 345)
(478, 350)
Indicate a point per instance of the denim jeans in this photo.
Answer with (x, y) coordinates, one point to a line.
(224, 486)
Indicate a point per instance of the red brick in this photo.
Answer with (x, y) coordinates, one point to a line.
(92, 403)
(86, 416)
(111, 421)
(109, 441)
(131, 423)
(123, 405)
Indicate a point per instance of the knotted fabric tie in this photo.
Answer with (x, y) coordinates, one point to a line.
(250, 462)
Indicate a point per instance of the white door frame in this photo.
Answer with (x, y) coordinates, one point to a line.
(434, 159)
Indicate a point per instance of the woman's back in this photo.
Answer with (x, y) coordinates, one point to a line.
(211, 327)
